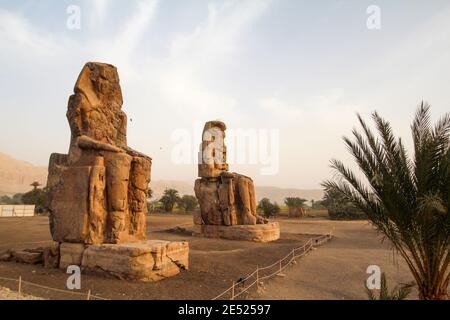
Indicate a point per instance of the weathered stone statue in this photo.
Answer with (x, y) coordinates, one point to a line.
(98, 190)
(226, 199)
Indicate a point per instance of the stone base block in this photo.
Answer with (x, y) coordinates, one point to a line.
(151, 260)
(256, 233)
(51, 256)
(70, 254)
(28, 257)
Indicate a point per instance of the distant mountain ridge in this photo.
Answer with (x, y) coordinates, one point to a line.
(273, 193)
(17, 175)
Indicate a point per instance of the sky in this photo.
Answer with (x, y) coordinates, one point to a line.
(292, 74)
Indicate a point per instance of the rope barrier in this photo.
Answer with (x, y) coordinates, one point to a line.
(21, 282)
(307, 247)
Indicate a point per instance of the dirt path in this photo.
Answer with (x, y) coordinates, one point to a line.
(214, 263)
(7, 294)
(337, 270)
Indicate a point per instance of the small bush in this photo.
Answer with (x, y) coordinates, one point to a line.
(267, 208)
(187, 203)
(341, 209)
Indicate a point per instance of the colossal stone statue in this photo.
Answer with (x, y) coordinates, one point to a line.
(98, 190)
(226, 199)
(98, 193)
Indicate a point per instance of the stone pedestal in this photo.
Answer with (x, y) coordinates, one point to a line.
(227, 200)
(151, 260)
(257, 233)
(71, 254)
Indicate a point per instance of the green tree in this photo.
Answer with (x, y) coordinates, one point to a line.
(187, 203)
(154, 206)
(296, 206)
(339, 208)
(267, 208)
(37, 197)
(6, 200)
(407, 199)
(17, 198)
(35, 185)
(14, 200)
(318, 205)
(295, 202)
(149, 193)
(169, 199)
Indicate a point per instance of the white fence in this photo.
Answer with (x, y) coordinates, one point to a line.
(16, 211)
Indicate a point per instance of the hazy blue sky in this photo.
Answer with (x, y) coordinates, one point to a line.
(301, 67)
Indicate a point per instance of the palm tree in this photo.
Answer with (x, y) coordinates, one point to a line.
(35, 185)
(406, 199)
(295, 202)
(296, 206)
(169, 199)
(149, 193)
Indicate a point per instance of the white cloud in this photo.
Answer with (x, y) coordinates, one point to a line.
(278, 108)
(181, 80)
(173, 90)
(100, 8)
(19, 37)
(195, 56)
(120, 50)
(219, 35)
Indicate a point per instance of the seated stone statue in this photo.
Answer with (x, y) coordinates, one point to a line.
(98, 191)
(225, 198)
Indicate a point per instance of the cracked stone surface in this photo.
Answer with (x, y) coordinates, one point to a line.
(151, 260)
(98, 191)
(227, 199)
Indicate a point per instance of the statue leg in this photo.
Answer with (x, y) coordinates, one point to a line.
(117, 180)
(138, 188)
(97, 207)
(246, 194)
(226, 199)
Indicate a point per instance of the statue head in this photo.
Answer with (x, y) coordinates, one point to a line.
(213, 154)
(95, 108)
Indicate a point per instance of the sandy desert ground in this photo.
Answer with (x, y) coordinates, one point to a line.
(336, 270)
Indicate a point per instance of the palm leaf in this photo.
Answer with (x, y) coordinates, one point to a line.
(407, 199)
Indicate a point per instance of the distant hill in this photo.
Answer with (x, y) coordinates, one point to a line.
(279, 194)
(17, 175)
(273, 193)
(183, 187)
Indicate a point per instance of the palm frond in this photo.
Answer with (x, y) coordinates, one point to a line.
(407, 199)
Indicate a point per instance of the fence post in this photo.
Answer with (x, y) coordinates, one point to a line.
(88, 295)
(280, 266)
(232, 291)
(20, 284)
(257, 277)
